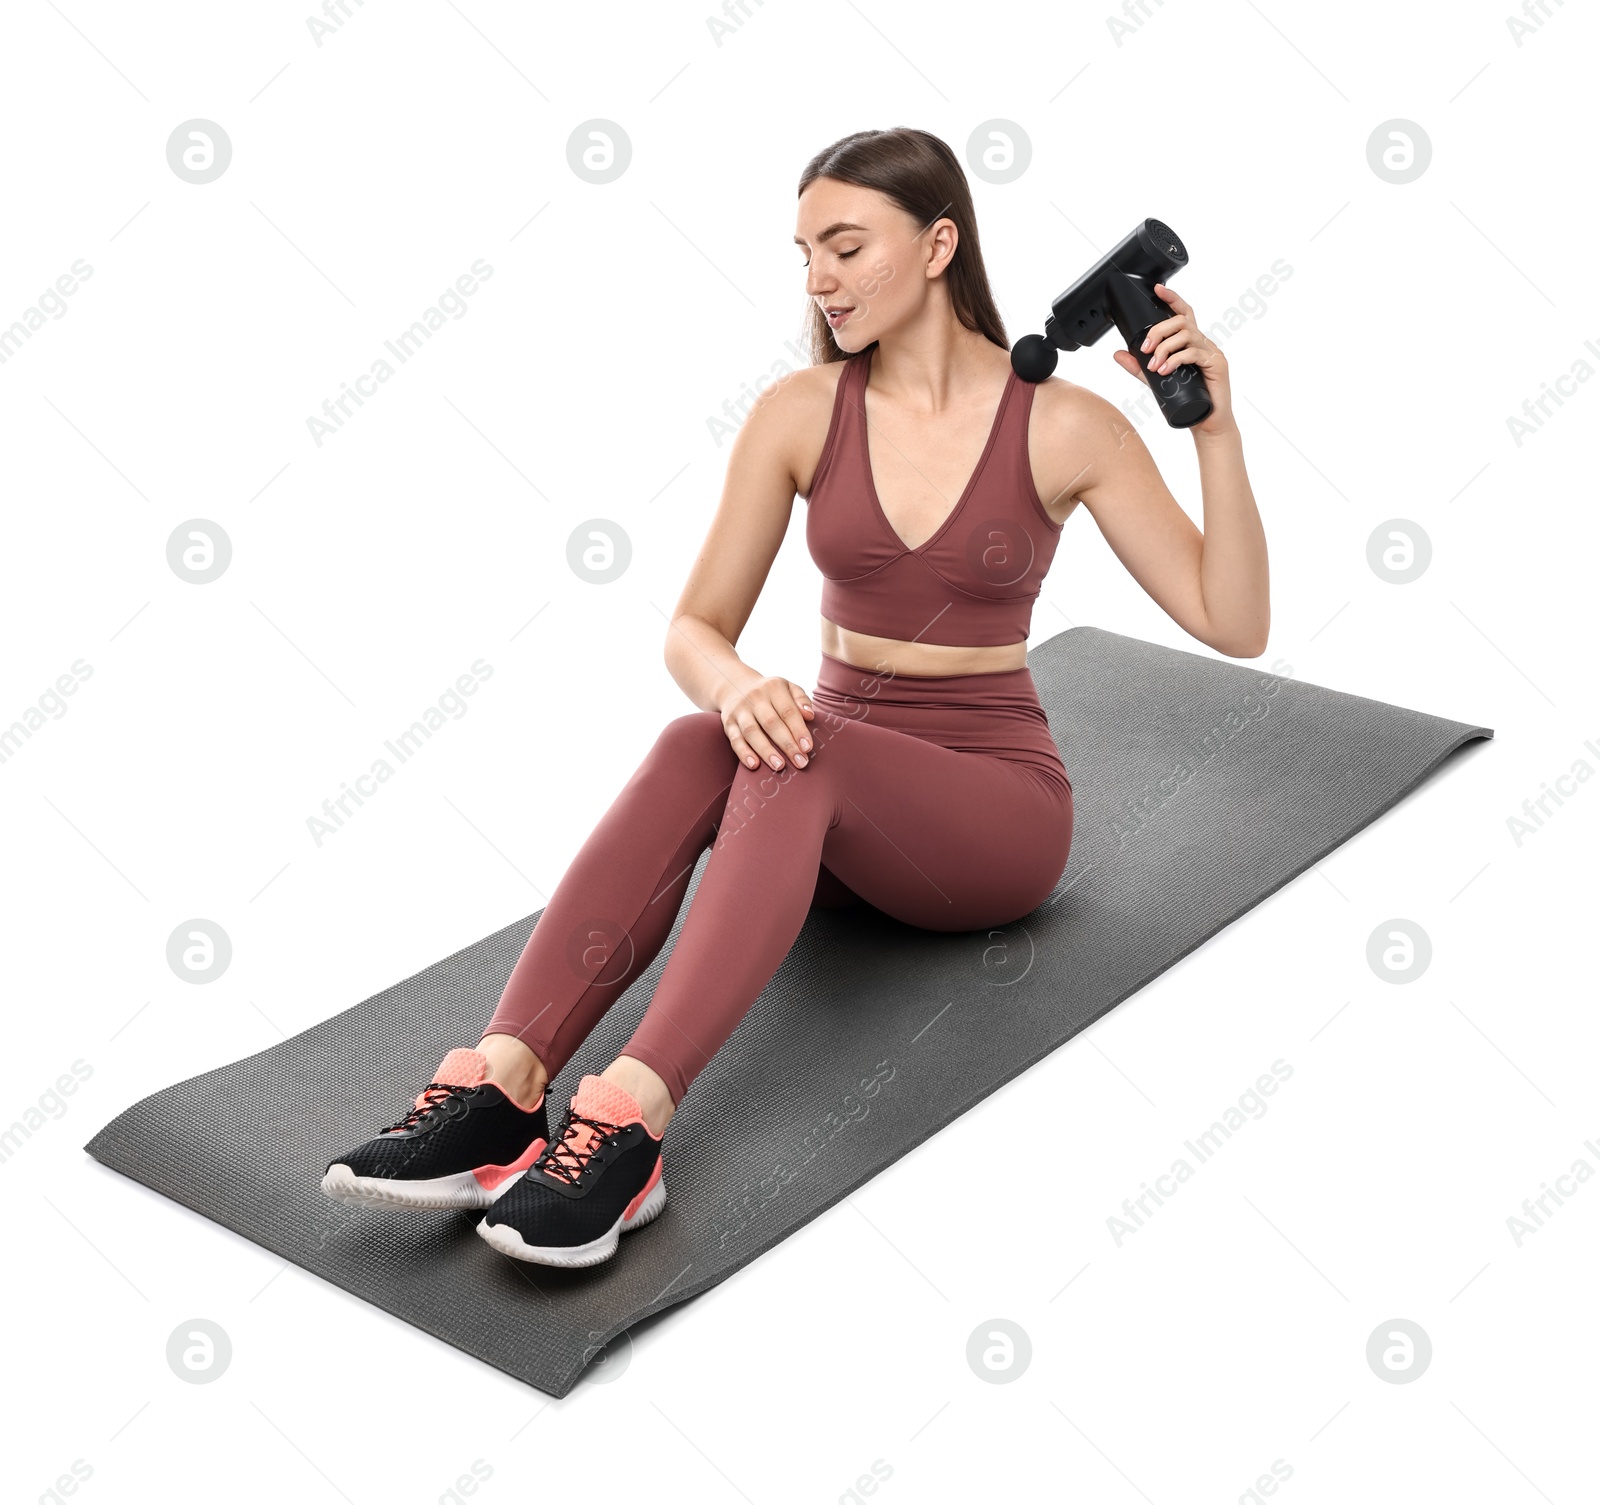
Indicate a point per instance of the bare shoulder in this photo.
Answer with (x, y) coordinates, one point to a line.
(788, 423)
(1073, 432)
(1072, 413)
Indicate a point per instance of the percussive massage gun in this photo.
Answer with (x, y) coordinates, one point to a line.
(1117, 290)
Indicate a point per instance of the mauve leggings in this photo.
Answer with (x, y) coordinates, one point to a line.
(940, 799)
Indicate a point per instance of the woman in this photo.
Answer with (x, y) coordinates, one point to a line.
(920, 778)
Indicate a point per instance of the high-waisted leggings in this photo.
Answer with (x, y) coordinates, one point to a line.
(941, 800)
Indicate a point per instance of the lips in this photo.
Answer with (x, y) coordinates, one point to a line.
(837, 315)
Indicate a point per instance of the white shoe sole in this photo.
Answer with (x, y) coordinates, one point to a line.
(460, 1190)
(575, 1256)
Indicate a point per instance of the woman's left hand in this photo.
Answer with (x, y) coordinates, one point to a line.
(1178, 341)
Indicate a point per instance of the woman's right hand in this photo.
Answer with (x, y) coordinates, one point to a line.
(764, 717)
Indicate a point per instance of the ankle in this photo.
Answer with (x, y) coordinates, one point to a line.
(646, 1088)
(514, 1069)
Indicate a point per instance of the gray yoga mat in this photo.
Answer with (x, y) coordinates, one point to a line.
(1201, 786)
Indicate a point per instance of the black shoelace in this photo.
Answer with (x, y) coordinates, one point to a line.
(572, 1167)
(447, 1092)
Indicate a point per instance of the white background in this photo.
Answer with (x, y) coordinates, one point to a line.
(1375, 383)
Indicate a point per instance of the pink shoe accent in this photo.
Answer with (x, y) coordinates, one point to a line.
(491, 1176)
(605, 1100)
(526, 1107)
(464, 1067)
(611, 1104)
(460, 1068)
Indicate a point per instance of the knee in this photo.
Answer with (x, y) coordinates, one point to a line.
(1052, 867)
(695, 739)
(783, 804)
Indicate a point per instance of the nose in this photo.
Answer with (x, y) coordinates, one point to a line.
(816, 283)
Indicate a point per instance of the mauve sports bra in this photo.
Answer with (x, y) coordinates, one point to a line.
(974, 581)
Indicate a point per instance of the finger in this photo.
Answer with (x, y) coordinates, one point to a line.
(802, 701)
(1160, 330)
(1171, 345)
(785, 723)
(775, 718)
(742, 748)
(751, 736)
(750, 729)
(1172, 298)
(1128, 363)
(1182, 358)
(794, 720)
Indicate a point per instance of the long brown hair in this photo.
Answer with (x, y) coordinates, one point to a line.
(921, 175)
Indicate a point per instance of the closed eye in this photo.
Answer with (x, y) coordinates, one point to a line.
(843, 256)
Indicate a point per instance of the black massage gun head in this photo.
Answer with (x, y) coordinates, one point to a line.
(1149, 253)
(1033, 357)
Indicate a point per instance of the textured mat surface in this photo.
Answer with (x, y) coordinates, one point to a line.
(1201, 786)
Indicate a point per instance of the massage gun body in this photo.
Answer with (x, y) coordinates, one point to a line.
(1119, 289)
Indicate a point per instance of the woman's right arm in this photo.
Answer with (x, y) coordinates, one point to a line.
(763, 715)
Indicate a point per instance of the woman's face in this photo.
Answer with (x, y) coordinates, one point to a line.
(868, 263)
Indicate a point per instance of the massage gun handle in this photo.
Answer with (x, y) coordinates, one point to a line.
(1180, 393)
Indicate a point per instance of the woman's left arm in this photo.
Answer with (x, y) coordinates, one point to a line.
(1213, 583)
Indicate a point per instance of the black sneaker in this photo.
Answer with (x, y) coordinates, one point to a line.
(598, 1179)
(463, 1143)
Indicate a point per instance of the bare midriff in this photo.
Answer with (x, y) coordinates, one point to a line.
(895, 656)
